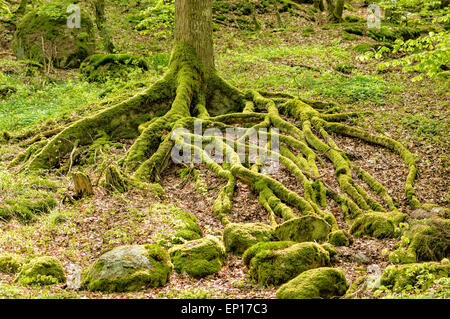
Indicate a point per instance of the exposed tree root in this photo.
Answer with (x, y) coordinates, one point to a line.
(186, 96)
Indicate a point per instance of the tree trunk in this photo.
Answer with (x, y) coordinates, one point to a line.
(100, 20)
(193, 25)
(335, 9)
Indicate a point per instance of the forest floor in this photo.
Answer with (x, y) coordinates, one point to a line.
(303, 59)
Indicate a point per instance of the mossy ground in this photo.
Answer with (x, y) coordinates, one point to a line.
(412, 112)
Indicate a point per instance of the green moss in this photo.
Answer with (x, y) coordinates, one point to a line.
(320, 283)
(10, 263)
(101, 67)
(41, 271)
(198, 258)
(187, 227)
(129, 268)
(419, 276)
(25, 210)
(270, 245)
(429, 240)
(274, 267)
(330, 249)
(239, 237)
(306, 228)
(376, 224)
(339, 238)
(43, 35)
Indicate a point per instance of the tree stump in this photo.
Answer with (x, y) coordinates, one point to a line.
(83, 185)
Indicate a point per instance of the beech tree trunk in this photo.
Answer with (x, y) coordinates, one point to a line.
(193, 25)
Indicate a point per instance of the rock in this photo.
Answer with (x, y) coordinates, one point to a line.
(429, 240)
(199, 258)
(73, 277)
(373, 280)
(360, 258)
(319, 283)
(10, 263)
(41, 271)
(274, 267)
(102, 67)
(428, 211)
(339, 238)
(43, 35)
(270, 245)
(306, 228)
(398, 278)
(376, 224)
(129, 268)
(239, 237)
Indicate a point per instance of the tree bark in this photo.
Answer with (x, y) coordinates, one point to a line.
(193, 25)
(100, 20)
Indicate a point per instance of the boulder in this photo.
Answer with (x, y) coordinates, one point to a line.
(377, 224)
(10, 263)
(41, 271)
(199, 258)
(239, 237)
(306, 228)
(274, 267)
(319, 283)
(129, 268)
(339, 238)
(43, 35)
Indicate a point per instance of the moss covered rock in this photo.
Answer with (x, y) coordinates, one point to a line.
(420, 276)
(429, 240)
(101, 67)
(377, 224)
(10, 263)
(199, 258)
(41, 271)
(239, 237)
(270, 245)
(339, 238)
(319, 283)
(43, 35)
(129, 268)
(306, 228)
(274, 267)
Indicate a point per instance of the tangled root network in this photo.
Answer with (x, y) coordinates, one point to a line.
(304, 130)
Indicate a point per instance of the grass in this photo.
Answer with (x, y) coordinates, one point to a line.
(38, 102)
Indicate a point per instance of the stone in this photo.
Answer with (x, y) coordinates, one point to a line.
(129, 268)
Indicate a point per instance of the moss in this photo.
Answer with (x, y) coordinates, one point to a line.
(129, 268)
(320, 283)
(25, 210)
(352, 18)
(43, 35)
(198, 258)
(274, 267)
(10, 263)
(362, 47)
(382, 34)
(330, 249)
(429, 240)
(339, 238)
(101, 67)
(398, 278)
(41, 271)
(258, 247)
(376, 224)
(187, 228)
(306, 228)
(239, 237)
